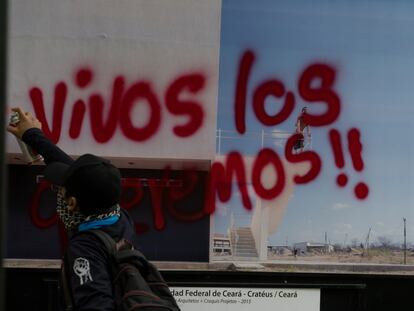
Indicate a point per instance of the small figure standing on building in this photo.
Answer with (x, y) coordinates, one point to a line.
(300, 127)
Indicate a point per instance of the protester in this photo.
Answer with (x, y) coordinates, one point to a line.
(88, 193)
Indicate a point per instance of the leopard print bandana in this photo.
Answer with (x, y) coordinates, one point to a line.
(71, 219)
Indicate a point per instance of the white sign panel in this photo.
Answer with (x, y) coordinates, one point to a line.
(123, 78)
(244, 299)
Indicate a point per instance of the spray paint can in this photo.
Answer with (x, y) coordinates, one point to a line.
(29, 154)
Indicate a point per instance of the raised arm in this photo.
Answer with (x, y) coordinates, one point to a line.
(29, 130)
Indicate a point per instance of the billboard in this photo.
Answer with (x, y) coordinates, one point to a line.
(132, 81)
(268, 132)
(337, 75)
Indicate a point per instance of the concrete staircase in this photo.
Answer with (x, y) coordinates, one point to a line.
(243, 245)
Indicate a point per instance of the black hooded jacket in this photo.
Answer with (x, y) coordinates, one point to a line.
(87, 258)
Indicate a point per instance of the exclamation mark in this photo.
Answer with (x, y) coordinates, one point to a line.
(355, 150)
(335, 138)
(361, 190)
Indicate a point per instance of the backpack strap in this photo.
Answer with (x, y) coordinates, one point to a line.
(120, 252)
(105, 238)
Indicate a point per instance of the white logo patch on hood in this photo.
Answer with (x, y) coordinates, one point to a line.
(82, 270)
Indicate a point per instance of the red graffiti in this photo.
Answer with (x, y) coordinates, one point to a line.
(164, 192)
(38, 220)
(361, 190)
(335, 139)
(315, 85)
(220, 182)
(36, 96)
(103, 131)
(123, 100)
(176, 106)
(83, 77)
(177, 195)
(265, 157)
(277, 89)
(355, 149)
(322, 73)
(134, 187)
(141, 91)
(221, 175)
(78, 113)
(245, 66)
(305, 156)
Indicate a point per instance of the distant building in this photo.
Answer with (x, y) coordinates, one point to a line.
(312, 247)
(279, 250)
(221, 244)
